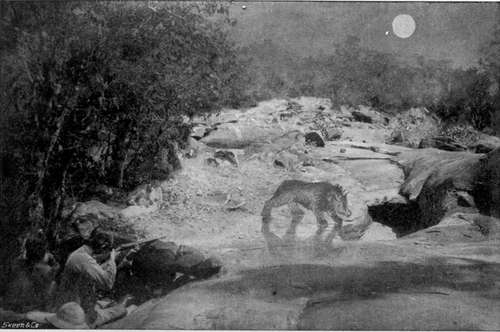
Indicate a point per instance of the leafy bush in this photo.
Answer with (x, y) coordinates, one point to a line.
(97, 93)
(354, 75)
(467, 99)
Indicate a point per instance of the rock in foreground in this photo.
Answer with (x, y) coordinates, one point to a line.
(356, 286)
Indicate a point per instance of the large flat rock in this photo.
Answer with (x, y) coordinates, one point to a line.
(393, 285)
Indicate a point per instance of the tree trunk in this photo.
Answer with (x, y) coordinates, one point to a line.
(49, 183)
(42, 174)
(123, 165)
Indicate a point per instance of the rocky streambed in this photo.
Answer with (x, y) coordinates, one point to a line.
(421, 251)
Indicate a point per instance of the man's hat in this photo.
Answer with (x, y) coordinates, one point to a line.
(69, 316)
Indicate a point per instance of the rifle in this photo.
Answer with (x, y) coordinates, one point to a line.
(136, 243)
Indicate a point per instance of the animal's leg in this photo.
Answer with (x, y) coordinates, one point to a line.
(338, 225)
(322, 222)
(266, 215)
(337, 228)
(297, 216)
(322, 225)
(266, 212)
(272, 240)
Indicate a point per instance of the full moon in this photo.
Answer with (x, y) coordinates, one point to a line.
(403, 26)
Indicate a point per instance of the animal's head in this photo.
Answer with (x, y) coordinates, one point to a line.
(339, 201)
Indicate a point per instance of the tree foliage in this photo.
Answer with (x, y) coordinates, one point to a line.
(355, 75)
(98, 93)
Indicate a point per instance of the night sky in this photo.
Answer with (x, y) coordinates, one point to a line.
(453, 31)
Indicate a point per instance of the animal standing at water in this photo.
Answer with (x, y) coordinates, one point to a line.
(319, 197)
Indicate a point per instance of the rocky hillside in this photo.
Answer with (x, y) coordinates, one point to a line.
(420, 241)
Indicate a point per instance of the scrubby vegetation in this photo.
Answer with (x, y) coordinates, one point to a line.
(354, 75)
(97, 93)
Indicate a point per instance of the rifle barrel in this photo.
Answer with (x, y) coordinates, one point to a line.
(133, 244)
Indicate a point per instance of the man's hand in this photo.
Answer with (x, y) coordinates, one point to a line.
(125, 261)
(125, 299)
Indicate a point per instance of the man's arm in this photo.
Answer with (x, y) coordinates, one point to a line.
(103, 275)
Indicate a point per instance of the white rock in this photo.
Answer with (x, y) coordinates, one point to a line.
(146, 195)
(378, 232)
(136, 210)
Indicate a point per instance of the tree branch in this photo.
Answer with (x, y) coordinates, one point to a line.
(28, 72)
(53, 141)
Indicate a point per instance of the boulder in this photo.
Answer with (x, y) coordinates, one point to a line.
(413, 125)
(378, 232)
(362, 117)
(367, 115)
(219, 304)
(464, 134)
(286, 160)
(158, 262)
(482, 148)
(226, 155)
(396, 137)
(432, 167)
(260, 124)
(440, 182)
(212, 162)
(355, 229)
(460, 227)
(241, 135)
(307, 161)
(137, 210)
(85, 216)
(286, 115)
(146, 195)
(485, 144)
(193, 148)
(293, 106)
(487, 190)
(152, 263)
(314, 139)
(487, 226)
(145, 199)
(287, 140)
(226, 137)
(200, 130)
(292, 140)
(441, 142)
(333, 134)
